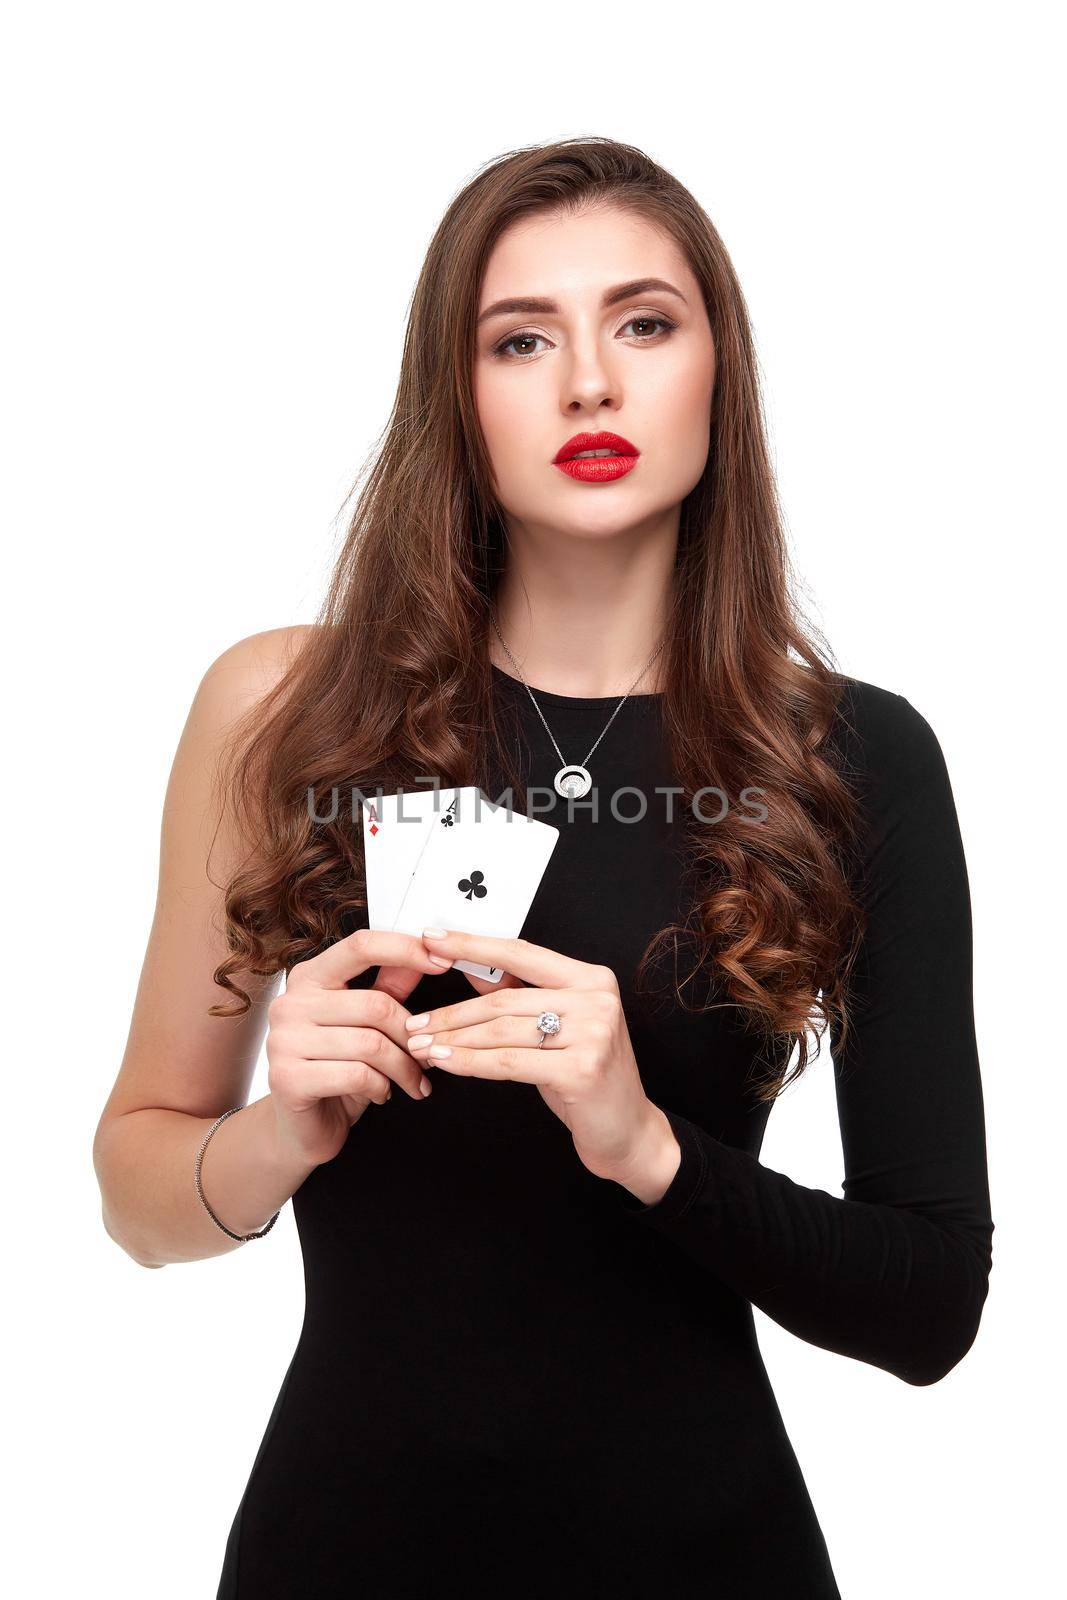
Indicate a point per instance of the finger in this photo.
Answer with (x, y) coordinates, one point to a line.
(355, 1008)
(351, 1024)
(370, 1047)
(356, 1048)
(366, 947)
(491, 1035)
(521, 1001)
(399, 981)
(510, 1062)
(535, 963)
(330, 1080)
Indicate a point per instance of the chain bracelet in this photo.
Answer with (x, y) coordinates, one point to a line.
(240, 1237)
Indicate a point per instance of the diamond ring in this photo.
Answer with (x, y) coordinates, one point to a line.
(548, 1022)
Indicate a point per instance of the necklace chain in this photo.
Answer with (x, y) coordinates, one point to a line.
(610, 720)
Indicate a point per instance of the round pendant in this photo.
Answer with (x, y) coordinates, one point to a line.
(572, 782)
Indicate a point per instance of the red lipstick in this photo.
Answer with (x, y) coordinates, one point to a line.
(599, 468)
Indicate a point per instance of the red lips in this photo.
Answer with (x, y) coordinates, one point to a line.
(595, 441)
(597, 469)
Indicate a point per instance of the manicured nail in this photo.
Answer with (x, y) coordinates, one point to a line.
(419, 1040)
(440, 1051)
(424, 1087)
(434, 933)
(441, 961)
(418, 1022)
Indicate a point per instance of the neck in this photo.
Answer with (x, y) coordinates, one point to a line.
(582, 616)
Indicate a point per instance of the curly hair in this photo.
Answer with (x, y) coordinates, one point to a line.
(394, 680)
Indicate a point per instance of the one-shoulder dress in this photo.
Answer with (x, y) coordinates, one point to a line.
(515, 1379)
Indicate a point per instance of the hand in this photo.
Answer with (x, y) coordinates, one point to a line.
(586, 1074)
(333, 1050)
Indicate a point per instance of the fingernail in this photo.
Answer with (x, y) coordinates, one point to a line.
(418, 1022)
(424, 1087)
(441, 961)
(440, 1051)
(434, 933)
(419, 1040)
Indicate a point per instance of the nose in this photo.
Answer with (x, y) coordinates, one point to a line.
(588, 380)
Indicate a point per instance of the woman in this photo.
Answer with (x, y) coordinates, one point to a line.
(528, 1363)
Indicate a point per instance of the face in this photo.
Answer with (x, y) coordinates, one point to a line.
(639, 364)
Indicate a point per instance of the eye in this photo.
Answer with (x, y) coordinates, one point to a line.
(525, 337)
(662, 322)
(502, 348)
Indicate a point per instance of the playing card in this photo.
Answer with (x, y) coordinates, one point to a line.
(396, 828)
(480, 875)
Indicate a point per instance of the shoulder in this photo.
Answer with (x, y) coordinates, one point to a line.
(249, 669)
(883, 727)
(234, 685)
(880, 734)
(262, 658)
(221, 715)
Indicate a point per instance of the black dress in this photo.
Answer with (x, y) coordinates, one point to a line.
(513, 1378)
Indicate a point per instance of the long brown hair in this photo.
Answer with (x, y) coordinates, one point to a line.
(394, 682)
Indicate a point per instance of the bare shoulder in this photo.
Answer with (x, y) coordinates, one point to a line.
(224, 703)
(240, 678)
(249, 669)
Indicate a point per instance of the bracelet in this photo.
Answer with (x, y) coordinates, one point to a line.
(241, 1237)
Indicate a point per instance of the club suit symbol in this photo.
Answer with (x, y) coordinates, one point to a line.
(473, 888)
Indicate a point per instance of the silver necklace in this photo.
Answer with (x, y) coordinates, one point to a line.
(573, 782)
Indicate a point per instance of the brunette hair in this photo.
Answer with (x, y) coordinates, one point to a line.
(394, 681)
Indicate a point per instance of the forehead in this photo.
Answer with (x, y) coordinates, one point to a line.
(572, 257)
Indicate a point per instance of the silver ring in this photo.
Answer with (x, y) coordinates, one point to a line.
(548, 1022)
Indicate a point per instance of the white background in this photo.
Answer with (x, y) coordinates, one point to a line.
(216, 216)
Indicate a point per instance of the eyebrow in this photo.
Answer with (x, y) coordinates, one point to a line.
(532, 306)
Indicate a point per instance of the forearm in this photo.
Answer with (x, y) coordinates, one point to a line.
(145, 1161)
(883, 1283)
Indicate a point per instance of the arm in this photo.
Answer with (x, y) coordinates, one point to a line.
(181, 1067)
(896, 1272)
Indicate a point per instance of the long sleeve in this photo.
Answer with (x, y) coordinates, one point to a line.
(896, 1271)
